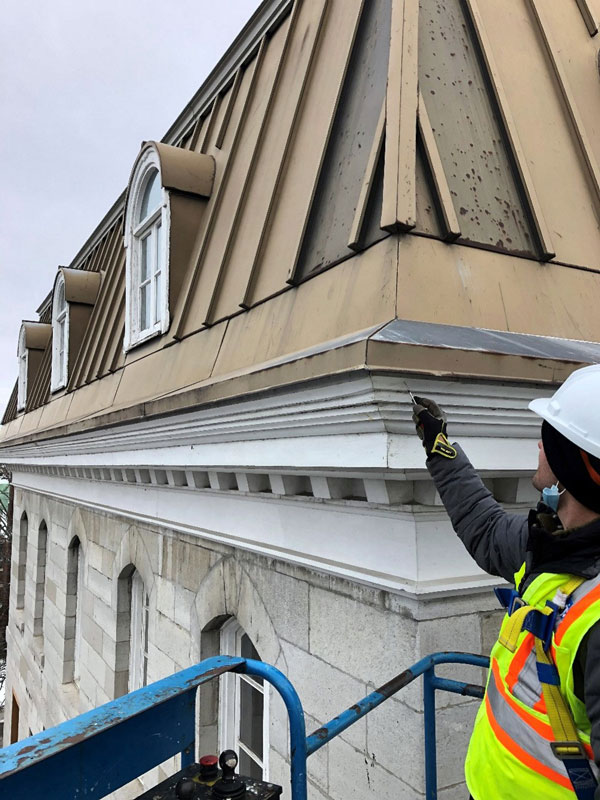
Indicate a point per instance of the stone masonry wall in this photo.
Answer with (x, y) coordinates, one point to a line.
(335, 640)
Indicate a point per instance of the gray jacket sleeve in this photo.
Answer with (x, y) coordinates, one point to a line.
(496, 540)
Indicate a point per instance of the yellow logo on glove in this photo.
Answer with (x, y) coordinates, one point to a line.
(442, 447)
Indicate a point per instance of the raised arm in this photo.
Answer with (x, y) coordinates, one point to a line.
(496, 540)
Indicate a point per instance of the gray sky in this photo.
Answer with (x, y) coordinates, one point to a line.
(81, 85)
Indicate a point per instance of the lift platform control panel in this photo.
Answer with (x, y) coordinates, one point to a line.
(212, 779)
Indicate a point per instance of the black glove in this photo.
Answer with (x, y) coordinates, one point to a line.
(431, 427)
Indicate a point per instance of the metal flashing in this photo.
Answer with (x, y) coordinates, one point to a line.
(430, 334)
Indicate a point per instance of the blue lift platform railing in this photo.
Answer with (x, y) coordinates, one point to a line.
(103, 749)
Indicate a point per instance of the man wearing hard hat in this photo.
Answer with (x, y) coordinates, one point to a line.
(538, 727)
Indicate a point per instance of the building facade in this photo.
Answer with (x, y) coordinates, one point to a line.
(210, 437)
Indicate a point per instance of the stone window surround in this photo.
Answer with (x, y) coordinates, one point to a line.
(138, 639)
(75, 588)
(39, 575)
(21, 560)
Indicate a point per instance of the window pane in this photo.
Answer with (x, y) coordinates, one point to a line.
(248, 767)
(60, 301)
(146, 258)
(247, 650)
(151, 197)
(158, 274)
(145, 307)
(251, 718)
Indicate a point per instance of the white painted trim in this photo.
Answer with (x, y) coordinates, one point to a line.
(388, 548)
(147, 162)
(361, 422)
(22, 360)
(78, 611)
(230, 700)
(58, 379)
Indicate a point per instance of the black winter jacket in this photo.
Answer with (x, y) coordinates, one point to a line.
(500, 543)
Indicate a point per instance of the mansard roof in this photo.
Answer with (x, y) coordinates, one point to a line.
(420, 160)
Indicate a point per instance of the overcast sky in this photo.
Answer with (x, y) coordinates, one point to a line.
(81, 85)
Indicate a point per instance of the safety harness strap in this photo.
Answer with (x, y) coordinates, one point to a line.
(566, 745)
(541, 622)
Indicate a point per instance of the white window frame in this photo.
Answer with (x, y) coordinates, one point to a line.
(134, 236)
(230, 701)
(23, 359)
(138, 641)
(78, 613)
(60, 337)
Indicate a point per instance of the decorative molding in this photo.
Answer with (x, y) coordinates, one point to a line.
(361, 422)
(389, 548)
(373, 489)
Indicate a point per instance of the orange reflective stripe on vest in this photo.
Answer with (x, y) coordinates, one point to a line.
(522, 741)
(579, 607)
(511, 742)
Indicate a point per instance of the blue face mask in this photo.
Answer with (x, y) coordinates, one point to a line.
(551, 496)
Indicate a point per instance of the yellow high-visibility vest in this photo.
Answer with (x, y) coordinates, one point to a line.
(509, 756)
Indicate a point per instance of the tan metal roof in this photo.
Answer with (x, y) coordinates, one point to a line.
(441, 157)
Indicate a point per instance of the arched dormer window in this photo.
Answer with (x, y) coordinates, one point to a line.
(60, 336)
(166, 198)
(33, 341)
(22, 383)
(147, 312)
(75, 292)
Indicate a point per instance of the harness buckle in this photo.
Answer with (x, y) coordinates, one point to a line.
(516, 602)
(567, 750)
(510, 599)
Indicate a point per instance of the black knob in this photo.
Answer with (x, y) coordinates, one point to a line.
(230, 785)
(185, 789)
(228, 761)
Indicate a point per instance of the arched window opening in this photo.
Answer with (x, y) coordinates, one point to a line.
(133, 617)
(40, 579)
(21, 560)
(60, 336)
(244, 707)
(140, 617)
(75, 575)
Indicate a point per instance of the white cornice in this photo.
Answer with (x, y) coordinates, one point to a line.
(389, 548)
(358, 422)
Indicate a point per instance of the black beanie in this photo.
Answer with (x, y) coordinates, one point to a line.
(577, 470)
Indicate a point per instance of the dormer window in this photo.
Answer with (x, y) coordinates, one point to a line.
(22, 355)
(60, 336)
(166, 198)
(147, 312)
(33, 341)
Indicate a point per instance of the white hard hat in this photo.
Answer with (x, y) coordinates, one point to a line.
(573, 409)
